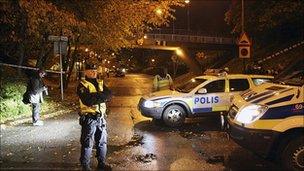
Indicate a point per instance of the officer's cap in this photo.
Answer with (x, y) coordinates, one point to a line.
(90, 66)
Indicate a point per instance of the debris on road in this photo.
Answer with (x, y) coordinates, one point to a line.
(136, 140)
(146, 158)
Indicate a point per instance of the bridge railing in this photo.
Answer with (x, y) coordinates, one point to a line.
(189, 32)
(191, 38)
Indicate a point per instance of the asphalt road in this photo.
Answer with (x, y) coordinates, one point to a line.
(135, 142)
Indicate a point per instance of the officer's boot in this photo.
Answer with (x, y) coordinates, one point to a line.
(86, 167)
(101, 166)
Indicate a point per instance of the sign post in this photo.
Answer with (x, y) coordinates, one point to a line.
(60, 47)
(244, 47)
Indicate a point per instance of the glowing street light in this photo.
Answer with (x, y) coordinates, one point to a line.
(159, 12)
(152, 60)
(187, 1)
(179, 52)
(86, 49)
(145, 36)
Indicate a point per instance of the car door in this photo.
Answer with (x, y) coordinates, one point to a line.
(237, 85)
(212, 99)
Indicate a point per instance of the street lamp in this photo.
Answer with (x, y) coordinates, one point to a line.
(179, 52)
(153, 60)
(159, 12)
(188, 14)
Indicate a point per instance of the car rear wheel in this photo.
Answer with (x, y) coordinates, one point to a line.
(293, 155)
(174, 116)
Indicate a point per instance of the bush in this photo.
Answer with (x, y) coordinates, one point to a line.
(11, 105)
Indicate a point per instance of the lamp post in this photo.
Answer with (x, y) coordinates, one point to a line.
(188, 15)
(242, 19)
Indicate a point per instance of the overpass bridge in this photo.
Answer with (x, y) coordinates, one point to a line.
(183, 42)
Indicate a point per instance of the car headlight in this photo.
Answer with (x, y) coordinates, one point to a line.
(250, 113)
(151, 104)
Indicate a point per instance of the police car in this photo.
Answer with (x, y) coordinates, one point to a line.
(269, 120)
(200, 96)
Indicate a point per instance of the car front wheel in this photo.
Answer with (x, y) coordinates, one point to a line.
(174, 116)
(293, 155)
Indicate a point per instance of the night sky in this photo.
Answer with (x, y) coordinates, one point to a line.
(205, 16)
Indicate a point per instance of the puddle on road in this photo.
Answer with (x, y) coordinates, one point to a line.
(136, 140)
(211, 159)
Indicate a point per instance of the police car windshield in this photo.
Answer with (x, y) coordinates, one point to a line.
(190, 85)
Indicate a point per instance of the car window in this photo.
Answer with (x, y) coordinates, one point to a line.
(215, 86)
(238, 84)
(190, 85)
(259, 81)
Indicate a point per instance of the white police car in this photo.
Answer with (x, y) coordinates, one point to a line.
(269, 120)
(200, 96)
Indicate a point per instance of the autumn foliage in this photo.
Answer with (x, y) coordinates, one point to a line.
(104, 26)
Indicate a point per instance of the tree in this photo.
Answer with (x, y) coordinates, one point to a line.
(268, 21)
(102, 26)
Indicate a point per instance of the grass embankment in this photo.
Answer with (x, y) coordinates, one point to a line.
(279, 62)
(11, 105)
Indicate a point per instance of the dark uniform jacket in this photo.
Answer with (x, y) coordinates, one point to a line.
(35, 87)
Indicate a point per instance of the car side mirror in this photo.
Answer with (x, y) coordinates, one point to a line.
(202, 91)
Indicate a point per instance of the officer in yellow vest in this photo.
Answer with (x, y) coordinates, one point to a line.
(92, 97)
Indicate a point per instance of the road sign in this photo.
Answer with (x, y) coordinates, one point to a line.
(63, 46)
(244, 46)
(58, 38)
(60, 48)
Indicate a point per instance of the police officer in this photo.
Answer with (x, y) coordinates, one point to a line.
(92, 97)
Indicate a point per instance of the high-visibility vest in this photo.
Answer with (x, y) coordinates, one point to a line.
(99, 108)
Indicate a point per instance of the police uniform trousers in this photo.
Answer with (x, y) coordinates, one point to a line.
(93, 128)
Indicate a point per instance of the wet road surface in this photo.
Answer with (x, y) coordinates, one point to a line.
(135, 142)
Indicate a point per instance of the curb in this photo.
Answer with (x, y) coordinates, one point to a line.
(29, 119)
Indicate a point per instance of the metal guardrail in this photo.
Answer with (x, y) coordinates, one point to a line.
(190, 38)
(189, 32)
(281, 52)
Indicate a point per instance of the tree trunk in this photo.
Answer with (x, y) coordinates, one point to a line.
(46, 57)
(72, 63)
(43, 51)
(65, 65)
(21, 50)
(22, 33)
